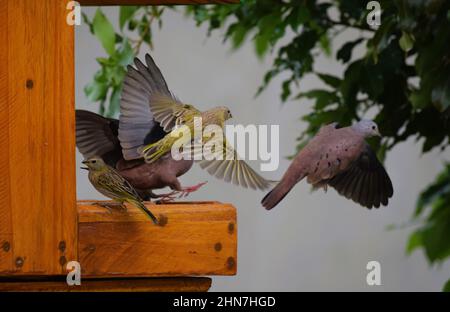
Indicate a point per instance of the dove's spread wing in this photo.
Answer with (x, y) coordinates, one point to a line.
(97, 136)
(136, 118)
(169, 112)
(235, 170)
(365, 181)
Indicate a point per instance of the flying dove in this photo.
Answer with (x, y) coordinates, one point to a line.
(146, 85)
(340, 158)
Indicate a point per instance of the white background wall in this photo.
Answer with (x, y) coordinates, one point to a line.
(311, 241)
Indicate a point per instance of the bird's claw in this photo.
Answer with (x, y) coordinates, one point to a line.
(166, 198)
(190, 189)
(185, 191)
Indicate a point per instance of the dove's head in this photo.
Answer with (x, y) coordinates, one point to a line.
(367, 127)
(94, 163)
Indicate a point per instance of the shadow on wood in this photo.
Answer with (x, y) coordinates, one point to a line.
(183, 284)
(194, 239)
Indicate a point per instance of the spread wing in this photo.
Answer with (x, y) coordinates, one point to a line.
(365, 181)
(136, 119)
(97, 136)
(233, 169)
(169, 112)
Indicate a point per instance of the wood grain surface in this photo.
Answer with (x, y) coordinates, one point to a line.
(37, 129)
(194, 239)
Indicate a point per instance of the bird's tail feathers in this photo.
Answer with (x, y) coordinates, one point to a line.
(141, 206)
(276, 195)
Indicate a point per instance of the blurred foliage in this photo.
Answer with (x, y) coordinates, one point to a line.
(402, 75)
(447, 286)
(121, 48)
(433, 235)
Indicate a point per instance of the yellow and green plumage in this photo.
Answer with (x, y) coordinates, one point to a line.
(179, 115)
(171, 114)
(110, 183)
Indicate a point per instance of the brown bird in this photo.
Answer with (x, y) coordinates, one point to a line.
(340, 158)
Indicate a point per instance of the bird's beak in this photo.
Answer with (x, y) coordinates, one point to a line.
(378, 133)
(84, 162)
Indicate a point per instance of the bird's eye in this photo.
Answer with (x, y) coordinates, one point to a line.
(373, 127)
(94, 161)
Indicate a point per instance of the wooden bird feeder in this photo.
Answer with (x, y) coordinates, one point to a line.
(42, 225)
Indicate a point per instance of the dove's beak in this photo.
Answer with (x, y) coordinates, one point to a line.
(377, 133)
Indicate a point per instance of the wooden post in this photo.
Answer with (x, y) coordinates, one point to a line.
(38, 216)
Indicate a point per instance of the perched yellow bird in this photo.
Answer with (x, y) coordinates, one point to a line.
(110, 183)
(173, 115)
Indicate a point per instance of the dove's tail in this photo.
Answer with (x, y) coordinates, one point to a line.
(277, 194)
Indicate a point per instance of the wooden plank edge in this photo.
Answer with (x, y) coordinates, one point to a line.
(172, 284)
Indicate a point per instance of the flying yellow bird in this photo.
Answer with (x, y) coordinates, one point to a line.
(172, 114)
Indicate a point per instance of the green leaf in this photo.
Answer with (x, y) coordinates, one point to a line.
(126, 13)
(419, 99)
(126, 54)
(446, 287)
(325, 44)
(414, 242)
(440, 188)
(330, 80)
(345, 52)
(323, 98)
(96, 90)
(239, 34)
(441, 95)
(261, 45)
(435, 239)
(406, 41)
(104, 31)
